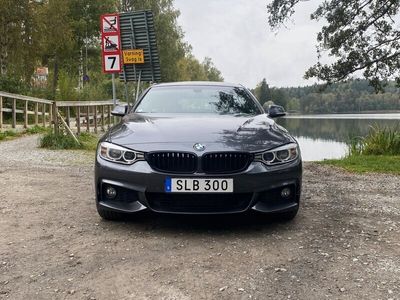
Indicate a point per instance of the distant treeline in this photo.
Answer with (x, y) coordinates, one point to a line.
(350, 96)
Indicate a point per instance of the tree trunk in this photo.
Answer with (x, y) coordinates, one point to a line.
(55, 77)
(3, 56)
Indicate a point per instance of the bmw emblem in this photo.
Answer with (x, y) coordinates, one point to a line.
(199, 147)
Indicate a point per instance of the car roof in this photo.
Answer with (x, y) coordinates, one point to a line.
(197, 83)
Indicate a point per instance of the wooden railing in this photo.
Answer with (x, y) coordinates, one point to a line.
(78, 115)
(14, 104)
(86, 114)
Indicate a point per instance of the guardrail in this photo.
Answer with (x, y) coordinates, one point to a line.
(77, 115)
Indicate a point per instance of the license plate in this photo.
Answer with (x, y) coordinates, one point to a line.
(199, 185)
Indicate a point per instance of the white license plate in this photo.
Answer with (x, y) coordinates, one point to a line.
(199, 185)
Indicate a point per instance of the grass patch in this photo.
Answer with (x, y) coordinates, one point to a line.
(377, 152)
(12, 134)
(379, 141)
(37, 130)
(53, 141)
(8, 134)
(368, 163)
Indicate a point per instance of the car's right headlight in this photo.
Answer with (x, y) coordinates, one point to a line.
(118, 154)
(280, 155)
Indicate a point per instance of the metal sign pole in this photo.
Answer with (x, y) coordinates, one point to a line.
(126, 86)
(114, 92)
(138, 86)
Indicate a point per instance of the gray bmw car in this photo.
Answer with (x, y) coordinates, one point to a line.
(197, 148)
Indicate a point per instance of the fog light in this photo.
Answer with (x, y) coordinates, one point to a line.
(111, 192)
(285, 193)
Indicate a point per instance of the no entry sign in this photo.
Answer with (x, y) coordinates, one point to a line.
(110, 43)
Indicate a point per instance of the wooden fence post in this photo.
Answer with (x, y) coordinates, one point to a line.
(26, 115)
(51, 114)
(87, 119)
(102, 117)
(1, 112)
(36, 113)
(44, 114)
(14, 113)
(95, 118)
(55, 119)
(109, 116)
(78, 119)
(68, 116)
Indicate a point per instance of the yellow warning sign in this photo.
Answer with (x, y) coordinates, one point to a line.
(133, 56)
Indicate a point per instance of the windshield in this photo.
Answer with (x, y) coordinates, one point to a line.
(198, 99)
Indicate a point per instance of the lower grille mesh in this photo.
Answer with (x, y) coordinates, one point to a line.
(198, 203)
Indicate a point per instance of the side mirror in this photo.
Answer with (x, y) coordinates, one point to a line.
(276, 111)
(120, 110)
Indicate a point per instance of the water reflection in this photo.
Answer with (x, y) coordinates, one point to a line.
(324, 136)
(319, 149)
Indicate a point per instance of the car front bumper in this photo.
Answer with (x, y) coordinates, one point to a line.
(140, 188)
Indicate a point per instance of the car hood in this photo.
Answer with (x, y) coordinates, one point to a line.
(151, 132)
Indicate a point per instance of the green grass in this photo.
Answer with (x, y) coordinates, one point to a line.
(378, 151)
(53, 141)
(368, 163)
(37, 130)
(8, 134)
(12, 134)
(379, 141)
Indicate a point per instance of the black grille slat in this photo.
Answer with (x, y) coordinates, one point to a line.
(211, 163)
(172, 162)
(225, 162)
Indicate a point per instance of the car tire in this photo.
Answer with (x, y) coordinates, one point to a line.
(110, 215)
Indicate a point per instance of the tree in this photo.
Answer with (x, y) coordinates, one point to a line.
(262, 92)
(67, 24)
(362, 36)
(212, 73)
(57, 33)
(19, 38)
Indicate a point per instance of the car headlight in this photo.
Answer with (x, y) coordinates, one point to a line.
(118, 154)
(280, 155)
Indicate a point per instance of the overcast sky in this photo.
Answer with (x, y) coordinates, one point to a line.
(236, 35)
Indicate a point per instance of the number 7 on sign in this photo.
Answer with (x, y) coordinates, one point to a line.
(112, 63)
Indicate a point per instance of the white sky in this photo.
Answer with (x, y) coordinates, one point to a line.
(236, 35)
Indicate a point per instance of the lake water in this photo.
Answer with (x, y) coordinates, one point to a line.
(324, 136)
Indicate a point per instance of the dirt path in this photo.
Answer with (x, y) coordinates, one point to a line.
(344, 244)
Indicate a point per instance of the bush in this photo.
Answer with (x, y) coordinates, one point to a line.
(7, 134)
(12, 85)
(60, 141)
(66, 87)
(37, 129)
(10, 134)
(379, 141)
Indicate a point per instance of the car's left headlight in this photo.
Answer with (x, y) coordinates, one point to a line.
(118, 154)
(280, 155)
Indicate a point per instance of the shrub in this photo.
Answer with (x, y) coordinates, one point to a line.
(60, 141)
(379, 141)
(12, 85)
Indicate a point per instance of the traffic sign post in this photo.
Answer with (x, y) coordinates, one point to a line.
(128, 47)
(111, 46)
(110, 43)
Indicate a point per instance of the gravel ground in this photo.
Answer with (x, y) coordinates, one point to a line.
(344, 244)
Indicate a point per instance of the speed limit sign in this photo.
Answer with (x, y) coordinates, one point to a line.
(112, 63)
